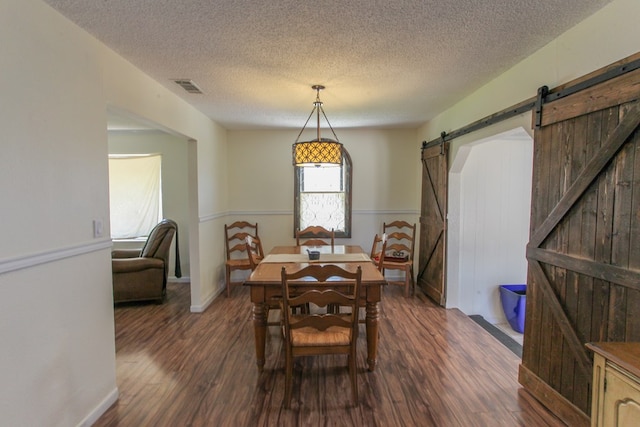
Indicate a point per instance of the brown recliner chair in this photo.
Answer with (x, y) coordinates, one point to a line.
(142, 275)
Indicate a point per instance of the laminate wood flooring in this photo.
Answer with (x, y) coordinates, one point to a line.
(436, 367)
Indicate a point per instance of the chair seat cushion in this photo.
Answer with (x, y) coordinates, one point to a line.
(310, 337)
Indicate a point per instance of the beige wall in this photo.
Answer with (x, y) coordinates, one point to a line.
(386, 180)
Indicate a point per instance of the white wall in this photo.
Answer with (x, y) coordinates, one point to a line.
(489, 200)
(175, 183)
(57, 361)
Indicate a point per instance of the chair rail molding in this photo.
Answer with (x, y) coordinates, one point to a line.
(290, 212)
(34, 259)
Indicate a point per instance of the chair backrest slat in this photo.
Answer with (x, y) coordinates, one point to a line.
(315, 235)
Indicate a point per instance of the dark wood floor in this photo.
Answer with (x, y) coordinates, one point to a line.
(436, 367)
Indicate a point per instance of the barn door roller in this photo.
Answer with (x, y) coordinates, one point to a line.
(543, 91)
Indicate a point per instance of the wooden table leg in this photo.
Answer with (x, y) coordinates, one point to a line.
(260, 332)
(371, 321)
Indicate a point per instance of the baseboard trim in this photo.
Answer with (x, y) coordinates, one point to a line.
(202, 307)
(559, 405)
(106, 403)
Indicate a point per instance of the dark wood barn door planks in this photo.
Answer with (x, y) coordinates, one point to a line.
(584, 250)
(433, 215)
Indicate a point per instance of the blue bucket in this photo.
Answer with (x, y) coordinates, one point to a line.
(514, 300)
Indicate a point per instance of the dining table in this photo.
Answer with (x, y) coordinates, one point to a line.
(266, 285)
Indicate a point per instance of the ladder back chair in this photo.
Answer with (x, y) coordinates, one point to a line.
(237, 257)
(399, 251)
(320, 332)
(315, 235)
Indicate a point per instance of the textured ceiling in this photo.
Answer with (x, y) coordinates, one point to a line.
(391, 63)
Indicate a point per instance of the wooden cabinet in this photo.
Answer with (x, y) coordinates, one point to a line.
(615, 399)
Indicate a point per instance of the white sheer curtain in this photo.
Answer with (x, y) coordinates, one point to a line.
(322, 198)
(135, 194)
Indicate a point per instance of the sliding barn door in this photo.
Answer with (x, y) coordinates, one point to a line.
(433, 219)
(584, 248)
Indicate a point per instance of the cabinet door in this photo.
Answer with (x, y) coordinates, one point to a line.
(621, 400)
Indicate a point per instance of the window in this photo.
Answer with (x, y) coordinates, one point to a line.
(323, 197)
(135, 194)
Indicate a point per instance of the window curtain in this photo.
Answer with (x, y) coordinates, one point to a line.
(322, 197)
(135, 194)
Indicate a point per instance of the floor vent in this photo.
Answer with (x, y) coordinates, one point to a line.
(188, 85)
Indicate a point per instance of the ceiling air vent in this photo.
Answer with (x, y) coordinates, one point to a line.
(188, 85)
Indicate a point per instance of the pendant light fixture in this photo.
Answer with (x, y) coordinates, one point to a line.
(319, 151)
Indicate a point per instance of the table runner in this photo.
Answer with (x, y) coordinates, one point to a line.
(300, 258)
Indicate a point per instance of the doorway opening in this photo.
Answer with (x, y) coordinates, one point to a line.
(132, 135)
(488, 223)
